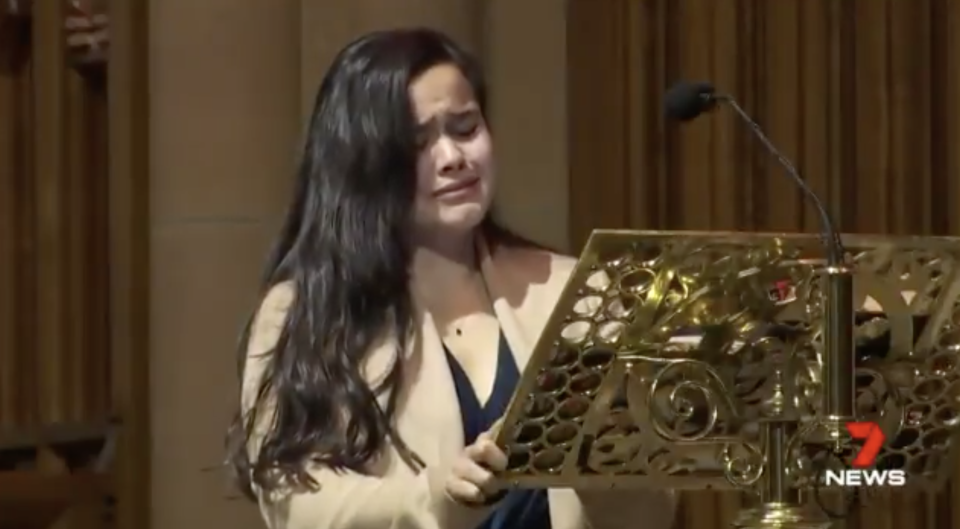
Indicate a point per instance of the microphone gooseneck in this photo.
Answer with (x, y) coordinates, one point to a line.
(687, 101)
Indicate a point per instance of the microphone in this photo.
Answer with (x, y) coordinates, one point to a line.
(687, 101)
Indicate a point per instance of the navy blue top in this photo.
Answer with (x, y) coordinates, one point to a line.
(521, 508)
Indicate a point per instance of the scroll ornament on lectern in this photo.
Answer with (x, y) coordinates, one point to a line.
(705, 360)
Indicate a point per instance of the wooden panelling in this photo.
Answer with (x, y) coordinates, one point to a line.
(864, 95)
(129, 255)
(16, 221)
(73, 266)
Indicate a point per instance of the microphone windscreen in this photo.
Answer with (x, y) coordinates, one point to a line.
(686, 101)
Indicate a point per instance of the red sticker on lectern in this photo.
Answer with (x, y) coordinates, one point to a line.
(783, 292)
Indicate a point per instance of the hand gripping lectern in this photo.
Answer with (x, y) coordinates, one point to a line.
(706, 360)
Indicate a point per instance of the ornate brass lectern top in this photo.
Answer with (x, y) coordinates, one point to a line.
(705, 360)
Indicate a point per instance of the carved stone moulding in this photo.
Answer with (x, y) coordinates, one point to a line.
(86, 31)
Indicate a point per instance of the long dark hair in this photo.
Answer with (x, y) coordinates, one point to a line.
(343, 249)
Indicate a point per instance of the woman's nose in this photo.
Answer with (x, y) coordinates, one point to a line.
(450, 156)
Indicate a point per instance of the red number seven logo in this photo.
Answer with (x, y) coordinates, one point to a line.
(873, 439)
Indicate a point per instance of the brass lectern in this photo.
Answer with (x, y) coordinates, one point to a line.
(703, 360)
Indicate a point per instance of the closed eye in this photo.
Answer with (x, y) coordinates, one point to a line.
(463, 124)
(458, 125)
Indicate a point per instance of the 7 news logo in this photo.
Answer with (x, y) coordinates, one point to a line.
(861, 475)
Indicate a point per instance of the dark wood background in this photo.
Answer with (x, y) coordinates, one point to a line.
(863, 95)
(74, 445)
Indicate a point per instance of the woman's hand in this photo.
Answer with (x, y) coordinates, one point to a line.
(472, 480)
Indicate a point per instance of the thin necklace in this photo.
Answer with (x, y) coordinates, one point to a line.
(489, 298)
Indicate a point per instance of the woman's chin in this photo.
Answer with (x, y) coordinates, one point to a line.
(462, 217)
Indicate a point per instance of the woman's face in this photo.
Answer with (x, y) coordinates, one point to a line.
(455, 176)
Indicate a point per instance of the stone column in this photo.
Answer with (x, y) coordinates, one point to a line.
(224, 103)
(525, 54)
(326, 26)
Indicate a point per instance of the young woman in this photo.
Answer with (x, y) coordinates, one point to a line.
(397, 316)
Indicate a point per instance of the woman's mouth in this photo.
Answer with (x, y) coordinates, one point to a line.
(458, 189)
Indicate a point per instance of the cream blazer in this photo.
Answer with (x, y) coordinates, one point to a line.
(525, 285)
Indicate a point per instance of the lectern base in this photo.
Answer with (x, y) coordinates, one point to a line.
(782, 516)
